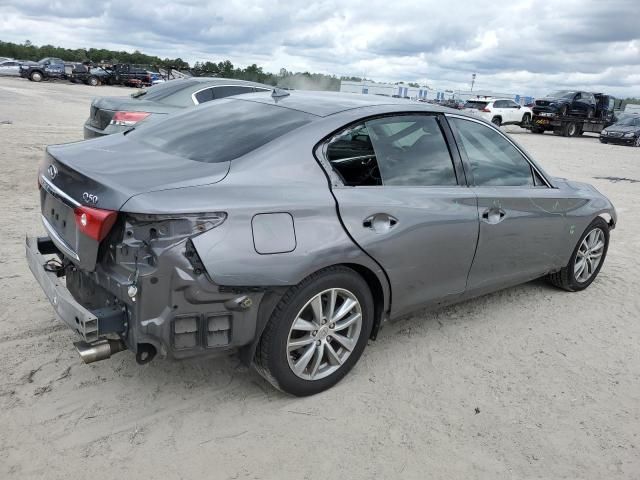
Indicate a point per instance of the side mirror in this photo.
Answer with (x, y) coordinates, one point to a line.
(518, 107)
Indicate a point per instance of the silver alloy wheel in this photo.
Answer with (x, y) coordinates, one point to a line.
(637, 142)
(589, 255)
(324, 333)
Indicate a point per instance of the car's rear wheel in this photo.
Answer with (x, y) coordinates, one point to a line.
(35, 77)
(317, 332)
(497, 121)
(526, 120)
(637, 142)
(587, 258)
(93, 81)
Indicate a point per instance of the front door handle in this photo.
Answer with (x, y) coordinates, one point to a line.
(493, 215)
(380, 222)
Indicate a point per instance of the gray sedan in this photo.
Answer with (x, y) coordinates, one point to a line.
(117, 114)
(10, 68)
(289, 227)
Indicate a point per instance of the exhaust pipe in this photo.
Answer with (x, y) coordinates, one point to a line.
(100, 350)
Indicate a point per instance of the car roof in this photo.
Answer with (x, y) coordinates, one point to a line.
(323, 104)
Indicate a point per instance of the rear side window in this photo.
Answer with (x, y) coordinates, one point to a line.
(203, 96)
(407, 150)
(163, 90)
(494, 160)
(220, 131)
(223, 92)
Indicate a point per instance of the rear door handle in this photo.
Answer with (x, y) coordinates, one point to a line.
(493, 215)
(380, 222)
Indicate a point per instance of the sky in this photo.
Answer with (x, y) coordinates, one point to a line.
(517, 46)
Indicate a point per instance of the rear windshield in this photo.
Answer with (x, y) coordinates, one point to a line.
(164, 90)
(220, 131)
(477, 105)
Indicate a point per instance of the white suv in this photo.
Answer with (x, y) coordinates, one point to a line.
(499, 111)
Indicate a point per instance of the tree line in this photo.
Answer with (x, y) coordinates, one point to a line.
(226, 69)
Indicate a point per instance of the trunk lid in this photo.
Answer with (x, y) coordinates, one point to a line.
(103, 109)
(105, 172)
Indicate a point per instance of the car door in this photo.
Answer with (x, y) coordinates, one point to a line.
(578, 105)
(515, 115)
(498, 110)
(522, 218)
(403, 199)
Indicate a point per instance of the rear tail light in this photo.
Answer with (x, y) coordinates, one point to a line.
(127, 119)
(94, 222)
(486, 110)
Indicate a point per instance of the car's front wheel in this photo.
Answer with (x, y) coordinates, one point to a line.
(526, 120)
(317, 332)
(35, 77)
(587, 258)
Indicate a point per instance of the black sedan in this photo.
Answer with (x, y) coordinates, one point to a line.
(625, 132)
(116, 114)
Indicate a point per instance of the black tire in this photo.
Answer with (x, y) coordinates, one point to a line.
(637, 141)
(565, 278)
(272, 361)
(603, 141)
(497, 121)
(93, 81)
(537, 130)
(570, 130)
(526, 120)
(36, 76)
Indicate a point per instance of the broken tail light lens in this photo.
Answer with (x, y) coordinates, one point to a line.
(94, 222)
(127, 119)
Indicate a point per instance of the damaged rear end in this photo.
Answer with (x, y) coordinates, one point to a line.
(125, 280)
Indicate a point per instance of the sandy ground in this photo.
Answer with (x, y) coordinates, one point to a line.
(530, 382)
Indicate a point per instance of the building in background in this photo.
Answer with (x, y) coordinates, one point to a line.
(425, 93)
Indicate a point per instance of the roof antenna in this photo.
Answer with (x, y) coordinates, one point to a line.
(279, 93)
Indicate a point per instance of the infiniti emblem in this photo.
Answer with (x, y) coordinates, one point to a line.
(53, 171)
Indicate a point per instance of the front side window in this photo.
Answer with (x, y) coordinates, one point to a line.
(494, 160)
(407, 150)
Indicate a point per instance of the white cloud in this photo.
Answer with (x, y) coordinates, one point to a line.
(521, 46)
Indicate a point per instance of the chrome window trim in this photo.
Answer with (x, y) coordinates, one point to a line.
(531, 164)
(195, 100)
(58, 240)
(57, 193)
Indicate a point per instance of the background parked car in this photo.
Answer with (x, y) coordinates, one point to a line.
(499, 111)
(625, 132)
(47, 68)
(116, 114)
(567, 102)
(10, 68)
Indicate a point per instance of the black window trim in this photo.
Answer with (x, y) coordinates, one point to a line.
(320, 150)
(467, 165)
(255, 89)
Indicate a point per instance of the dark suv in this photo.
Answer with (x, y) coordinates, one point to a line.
(567, 102)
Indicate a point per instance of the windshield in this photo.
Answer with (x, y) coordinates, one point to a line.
(629, 122)
(562, 94)
(220, 131)
(163, 90)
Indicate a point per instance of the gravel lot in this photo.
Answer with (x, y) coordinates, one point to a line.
(530, 382)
